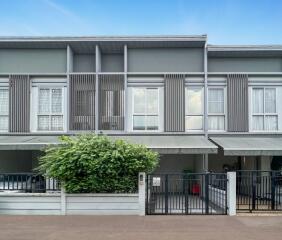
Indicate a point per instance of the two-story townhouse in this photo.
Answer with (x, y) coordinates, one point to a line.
(203, 108)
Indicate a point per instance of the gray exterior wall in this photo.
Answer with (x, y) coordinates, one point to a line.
(237, 103)
(174, 103)
(236, 64)
(166, 60)
(15, 161)
(33, 60)
(19, 119)
(176, 163)
(112, 63)
(84, 63)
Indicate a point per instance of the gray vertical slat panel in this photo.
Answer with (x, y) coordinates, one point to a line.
(174, 103)
(19, 107)
(111, 83)
(82, 88)
(237, 103)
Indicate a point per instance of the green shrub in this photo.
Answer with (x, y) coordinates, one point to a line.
(92, 163)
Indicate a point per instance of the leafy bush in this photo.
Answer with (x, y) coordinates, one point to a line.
(92, 163)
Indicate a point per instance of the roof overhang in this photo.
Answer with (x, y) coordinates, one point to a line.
(250, 146)
(245, 50)
(112, 44)
(174, 144)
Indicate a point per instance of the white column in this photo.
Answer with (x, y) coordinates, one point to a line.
(125, 90)
(63, 201)
(98, 70)
(231, 193)
(142, 193)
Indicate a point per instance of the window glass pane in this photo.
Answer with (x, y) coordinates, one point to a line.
(43, 123)
(152, 101)
(257, 123)
(257, 100)
(44, 98)
(139, 100)
(57, 100)
(194, 122)
(216, 95)
(138, 122)
(216, 100)
(57, 123)
(4, 101)
(270, 100)
(4, 123)
(216, 122)
(216, 107)
(152, 122)
(271, 123)
(194, 101)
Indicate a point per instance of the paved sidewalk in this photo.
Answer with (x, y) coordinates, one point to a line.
(135, 228)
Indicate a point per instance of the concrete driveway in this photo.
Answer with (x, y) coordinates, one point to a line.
(135, 228)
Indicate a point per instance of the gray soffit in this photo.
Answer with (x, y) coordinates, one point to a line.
(107, 44)
(162, 144)
(250, 146)
(245, 50)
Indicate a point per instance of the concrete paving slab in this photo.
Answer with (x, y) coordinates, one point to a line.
(134, 227)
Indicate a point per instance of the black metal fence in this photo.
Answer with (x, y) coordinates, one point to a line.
(192, 193)
(259, 190)
(27, 182)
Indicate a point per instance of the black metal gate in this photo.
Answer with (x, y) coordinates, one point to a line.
(259, 191)
(192, 193)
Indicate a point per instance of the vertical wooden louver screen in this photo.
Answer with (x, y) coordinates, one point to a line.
(82, 101)
(174, 103)
(19, 108)
(237, 103)
(111, 102)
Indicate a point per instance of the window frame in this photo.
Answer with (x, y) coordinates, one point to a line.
(8, 114)
(35, 107)
(264, 114)
(218, 114)
(187, 114)
(145, 113)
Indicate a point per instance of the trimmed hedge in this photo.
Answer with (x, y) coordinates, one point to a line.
(95, 164)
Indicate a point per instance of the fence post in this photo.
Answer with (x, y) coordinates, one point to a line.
(142, 193)
(272, 190)
(166, 194)
(231, 193)
(207, 200)
(63, 201)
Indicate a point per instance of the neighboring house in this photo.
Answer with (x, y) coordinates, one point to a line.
(203, 107)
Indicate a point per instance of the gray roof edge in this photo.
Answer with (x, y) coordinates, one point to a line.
(223, 48)
(103, 38)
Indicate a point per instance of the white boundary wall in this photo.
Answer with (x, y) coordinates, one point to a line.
(69, 204)
(74, 204)
(30, 203)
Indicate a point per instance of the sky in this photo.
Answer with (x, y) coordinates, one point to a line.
(224, 21)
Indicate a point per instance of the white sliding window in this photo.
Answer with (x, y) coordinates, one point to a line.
(194, 108)
(264, 109)
(145, 111)
(216, 109)
(50, 109)
(4, 109)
